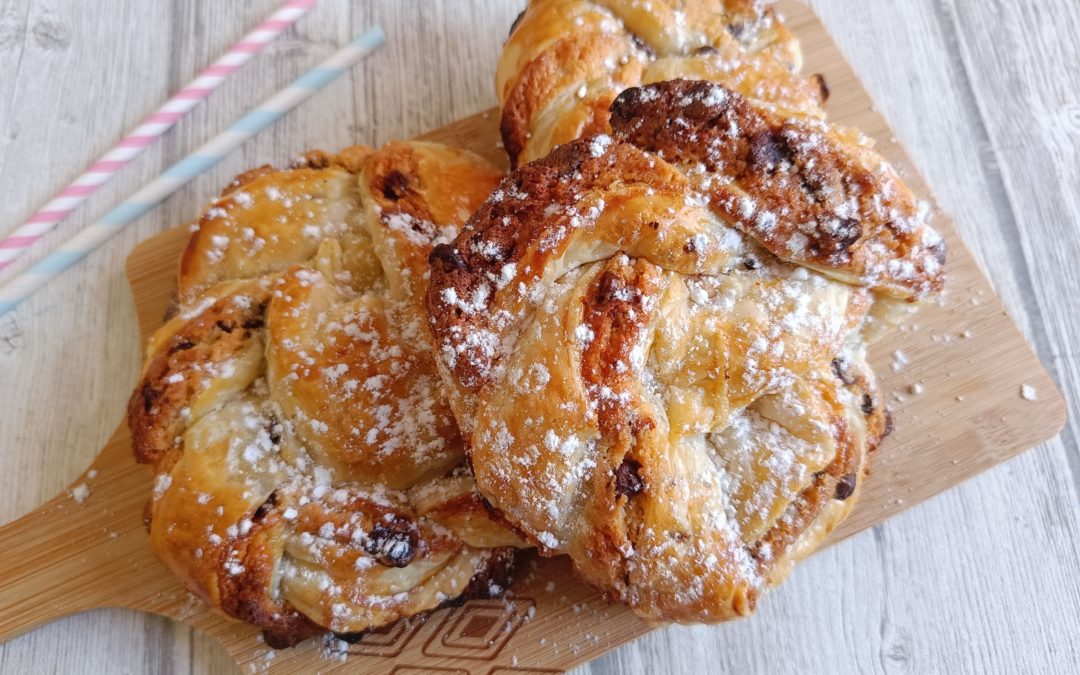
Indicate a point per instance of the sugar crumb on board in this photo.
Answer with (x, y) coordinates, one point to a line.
(80, 492)
(1028, 392)
(334, 649)
(263, 661)
(899, 360)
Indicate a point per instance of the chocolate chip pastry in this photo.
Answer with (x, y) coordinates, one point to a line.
(310, 474)
(655, 341)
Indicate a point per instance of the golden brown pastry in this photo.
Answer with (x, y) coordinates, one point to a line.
(657, 369)
(809, 192)
(310, 473)
(567, 60)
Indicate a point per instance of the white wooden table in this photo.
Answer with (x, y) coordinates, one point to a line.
(985, 94)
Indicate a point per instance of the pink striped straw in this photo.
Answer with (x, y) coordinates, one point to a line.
(152, 128)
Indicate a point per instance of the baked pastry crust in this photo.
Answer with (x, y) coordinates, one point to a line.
(647, 379)
(566, 60)
(309, 470)
(811, 193)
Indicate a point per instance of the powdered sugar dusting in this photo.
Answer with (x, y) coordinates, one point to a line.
(301, 398)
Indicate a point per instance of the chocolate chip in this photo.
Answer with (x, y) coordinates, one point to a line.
(867, 404)
(888, 425)
(181, 345)
(254, 324)
(643, 46)
(751, 263)
(768, 150)
(492, 580)
(815, 184)
(447, 255)
(823, 86)
(393, 542)
(609, 287)
(273, 429)
(225, 326)
(628, 111)
(278, 640)
(627, 480)
(265, 507)
(849, 232)
(707, 50)
(840, 369)
(351, 638)
(149, 395)
(395, 185)
(846, 487)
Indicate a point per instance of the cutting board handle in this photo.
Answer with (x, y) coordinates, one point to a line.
(72, 553)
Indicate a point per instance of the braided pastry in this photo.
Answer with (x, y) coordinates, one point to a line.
(567, 60)
(310, 471)
(657, 369)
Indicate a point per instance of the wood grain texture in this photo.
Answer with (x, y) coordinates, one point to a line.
(979, 93)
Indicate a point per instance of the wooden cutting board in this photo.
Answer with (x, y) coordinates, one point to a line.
(87, 548)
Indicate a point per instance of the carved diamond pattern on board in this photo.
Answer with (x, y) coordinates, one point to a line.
(388, 641)
(479, 629)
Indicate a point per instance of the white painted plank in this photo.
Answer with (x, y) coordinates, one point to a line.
(983, 95)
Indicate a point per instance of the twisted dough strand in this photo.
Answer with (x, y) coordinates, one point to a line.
(567, 60)
(641, 383)
(309, 468)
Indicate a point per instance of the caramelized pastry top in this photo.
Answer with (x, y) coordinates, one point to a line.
(566, 60)
(310, 471)
(643, 384)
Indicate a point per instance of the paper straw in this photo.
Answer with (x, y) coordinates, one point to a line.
(152, 128)
(179, 174)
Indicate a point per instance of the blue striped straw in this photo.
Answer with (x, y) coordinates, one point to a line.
(181, 173)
